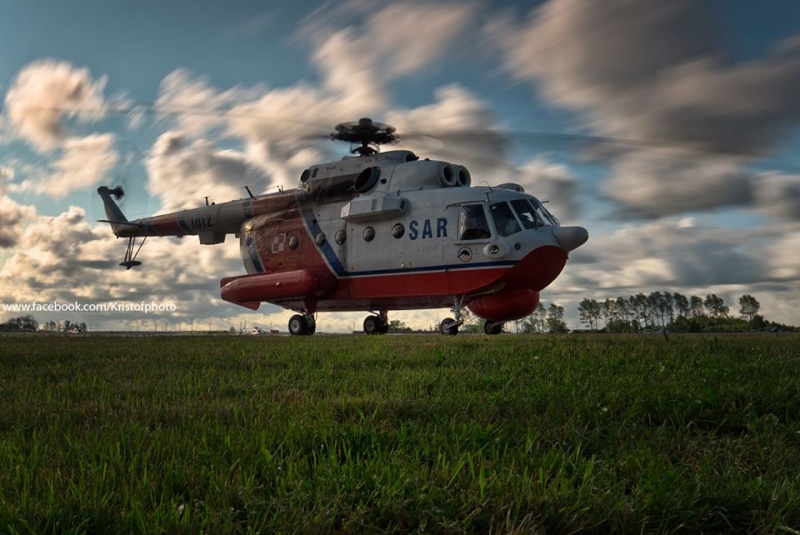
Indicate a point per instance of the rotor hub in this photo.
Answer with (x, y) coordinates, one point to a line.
(365, 133)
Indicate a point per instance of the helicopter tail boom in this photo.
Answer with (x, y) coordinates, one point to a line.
(119, 223)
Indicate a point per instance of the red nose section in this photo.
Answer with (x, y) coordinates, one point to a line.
(522, 284)
(537, 269)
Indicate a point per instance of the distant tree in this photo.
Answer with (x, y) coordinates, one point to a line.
(20, 324)
(623, 310)
(555, 319)
(654, 304)
(668, 304)
(748, 307)
(540, 318)
(681, 304)
(589, 312)
(643, 311)
(696, 306)
(608, 309)
(397, 326)
(715, 306)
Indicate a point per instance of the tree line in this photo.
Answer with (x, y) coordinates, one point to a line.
(674, 311)
(23, 324)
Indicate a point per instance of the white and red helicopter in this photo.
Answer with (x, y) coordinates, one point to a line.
(378, 231)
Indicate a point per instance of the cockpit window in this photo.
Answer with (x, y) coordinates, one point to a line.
(472, 223)
(504, 220)
(545, 213)
(527, 214)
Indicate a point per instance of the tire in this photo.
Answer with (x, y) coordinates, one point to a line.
(493, 327)
(298, 325)
(448, 327)
(372, 325)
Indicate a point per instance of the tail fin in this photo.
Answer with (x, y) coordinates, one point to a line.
(113, 212)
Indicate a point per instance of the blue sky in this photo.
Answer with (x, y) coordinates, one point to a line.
(713, 205)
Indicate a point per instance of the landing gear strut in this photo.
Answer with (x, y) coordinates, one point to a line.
(131, 252)
(449, 326)
(376, 323)
(302, 325)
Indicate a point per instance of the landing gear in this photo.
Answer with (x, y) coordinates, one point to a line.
(302, 325)
(376, 324)
(131, 252)
(493, 327)
(449, 326)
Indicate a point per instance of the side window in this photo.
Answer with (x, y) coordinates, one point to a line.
(527, 214)
(472, 223)
(504, 220)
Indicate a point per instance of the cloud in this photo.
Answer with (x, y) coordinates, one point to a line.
(668, 253)
(782, 255)
(553, 183)
(656, 183)
(13, 218)
(778, 195)
(390, 40)
(83, 162)
(653, 71)
(46, 91)
(67, 260)
(182, 172)
(459, 127)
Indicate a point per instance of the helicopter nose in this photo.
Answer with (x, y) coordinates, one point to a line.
(571, 238)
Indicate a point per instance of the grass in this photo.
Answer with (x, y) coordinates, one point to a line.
(400, 434)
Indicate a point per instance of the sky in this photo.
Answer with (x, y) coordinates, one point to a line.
(687, 175)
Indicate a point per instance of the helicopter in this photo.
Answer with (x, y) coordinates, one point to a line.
(376, 231)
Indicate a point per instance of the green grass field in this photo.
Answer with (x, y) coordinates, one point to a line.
(400, 434)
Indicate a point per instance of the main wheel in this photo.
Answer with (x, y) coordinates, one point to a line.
(372, 325)
(298, 325)
(448, 326)
(493, 327)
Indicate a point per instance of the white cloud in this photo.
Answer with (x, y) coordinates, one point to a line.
(389, 40)
(46, 91)
(182, 172)
(652, 71)
(13, 218)
(83, 163)
(67, 260)
(552, 183)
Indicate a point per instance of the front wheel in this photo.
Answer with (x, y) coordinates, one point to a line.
(448, 327)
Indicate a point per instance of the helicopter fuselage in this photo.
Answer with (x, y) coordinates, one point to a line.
(385, 231)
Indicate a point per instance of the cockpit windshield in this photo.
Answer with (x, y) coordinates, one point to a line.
(540, 215)
(527, 214)
(504, 220)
